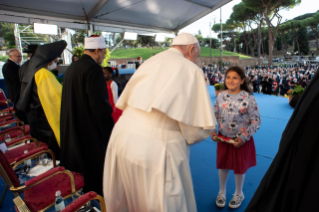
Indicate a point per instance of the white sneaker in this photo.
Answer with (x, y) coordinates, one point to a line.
(221, 200)
(236, 201)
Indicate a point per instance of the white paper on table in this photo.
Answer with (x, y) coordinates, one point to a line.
(39, 169)
(96, 209)
(3, 147)
(13, 147)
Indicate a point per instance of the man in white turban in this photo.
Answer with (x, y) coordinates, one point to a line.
(166, 108)
(86, 115)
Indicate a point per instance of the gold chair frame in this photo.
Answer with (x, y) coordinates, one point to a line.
(16, 190)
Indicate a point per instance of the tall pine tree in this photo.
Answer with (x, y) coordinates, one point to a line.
(303, 41)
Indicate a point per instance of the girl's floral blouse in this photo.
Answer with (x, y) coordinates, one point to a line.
(237, 115)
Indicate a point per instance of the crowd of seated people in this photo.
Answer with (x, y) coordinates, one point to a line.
(271, 80)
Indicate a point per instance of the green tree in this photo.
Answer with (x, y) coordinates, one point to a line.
(78, 37)
(213, 41)
(241, 17)
(313, 24)
(146, 40)
(7, 32)
(118, 38)
(229, 31)
(78, 51)
(201, 40)
(278, 43)
(303, 42)
(266, 46)
(295, 34)
(232, 27)
(270, 10)
(97, 33)
(168, 41)
(284, 29)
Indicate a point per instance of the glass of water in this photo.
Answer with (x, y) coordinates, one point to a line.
(76, 195)
(44, 159)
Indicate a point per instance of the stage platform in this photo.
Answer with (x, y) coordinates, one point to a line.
(275, 113)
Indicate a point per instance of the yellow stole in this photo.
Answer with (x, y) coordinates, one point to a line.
(50, 95)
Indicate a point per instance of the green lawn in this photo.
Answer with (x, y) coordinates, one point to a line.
(205, 52)
(146, 53)
(4, 58)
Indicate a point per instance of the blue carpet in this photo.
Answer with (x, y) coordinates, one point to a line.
(275, 113)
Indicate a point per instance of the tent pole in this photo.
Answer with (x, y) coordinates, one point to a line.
(117, 46)
(221, 42)
(161, 45)
(90, 31)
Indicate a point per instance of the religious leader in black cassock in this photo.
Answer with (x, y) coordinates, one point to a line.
(86, 121)
(40, 96)
(10, 71)
(291, 183)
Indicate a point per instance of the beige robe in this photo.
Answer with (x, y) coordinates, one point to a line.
(166, 108)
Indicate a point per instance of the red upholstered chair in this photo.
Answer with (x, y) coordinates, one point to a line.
(4, 102)
(24, 206)
(6, 117)
(12, 154)
(77, 204)
(40, 191)
(16, 131)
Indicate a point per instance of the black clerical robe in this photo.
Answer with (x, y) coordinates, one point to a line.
(40, 96)
(43, 113)
(21, 115)
(86, 121)
(10, 72)
(291, 182)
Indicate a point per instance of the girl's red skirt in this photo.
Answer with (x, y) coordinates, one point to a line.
(237, 159)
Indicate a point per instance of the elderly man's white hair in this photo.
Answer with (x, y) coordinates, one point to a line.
(10, 53)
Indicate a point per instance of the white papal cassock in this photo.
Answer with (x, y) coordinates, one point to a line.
(166, 108)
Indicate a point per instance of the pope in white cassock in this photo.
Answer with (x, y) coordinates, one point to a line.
(166, 108)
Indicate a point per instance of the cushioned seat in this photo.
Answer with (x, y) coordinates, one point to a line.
(12, 154)
(15, 133)
(7, 110)
(2, 119)
(18, 139)
(43, 194)
(80, 202)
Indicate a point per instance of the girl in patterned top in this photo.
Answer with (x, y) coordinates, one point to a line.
(238, 117)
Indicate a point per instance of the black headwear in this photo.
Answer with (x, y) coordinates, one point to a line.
(31, 48)
(43, 55)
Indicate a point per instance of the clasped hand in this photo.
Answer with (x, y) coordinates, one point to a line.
(238, 141)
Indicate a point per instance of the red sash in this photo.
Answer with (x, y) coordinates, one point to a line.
(116, 112)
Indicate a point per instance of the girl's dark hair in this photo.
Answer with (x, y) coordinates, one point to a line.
(73, 56)
(241, 73)
(110, 70)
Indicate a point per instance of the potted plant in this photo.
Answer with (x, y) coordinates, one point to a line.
(219, 87)
(295, 93)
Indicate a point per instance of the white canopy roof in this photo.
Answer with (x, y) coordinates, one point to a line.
(141, 16)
